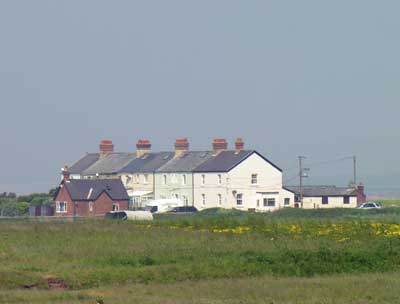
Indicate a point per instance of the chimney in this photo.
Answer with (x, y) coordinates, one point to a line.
(106, 147)
(143, 146)
(239, 144)
(361, 197)
(181, 146)
(219, 145)
(65, 173)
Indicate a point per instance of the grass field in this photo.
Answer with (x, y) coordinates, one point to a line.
(292, 256)
(389, 202)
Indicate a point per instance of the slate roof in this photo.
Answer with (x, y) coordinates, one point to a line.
(79, 189)
(187, 162)
(84, 163)
(309, 191)
(223, 161)
(227, 160)
(149, 162)
(110, 163)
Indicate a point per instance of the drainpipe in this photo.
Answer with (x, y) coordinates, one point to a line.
(192, 189)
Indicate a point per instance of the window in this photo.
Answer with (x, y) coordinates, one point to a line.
(184, 179)
(137, 178)
(91, 206)
(258, 203)
(239, 199)
(269, 202)
(185, 200)
(61, 207)
(146, 178)
(346, 200)
(254, 179)
(115, 207)
(219, 199)
(203, 179)
(164, 179)
(203, 197)
(286, 201)
(324, 200)
(219, 179)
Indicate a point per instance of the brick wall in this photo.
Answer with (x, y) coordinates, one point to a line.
(100, 207)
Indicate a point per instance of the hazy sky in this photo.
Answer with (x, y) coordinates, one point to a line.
(315, 78)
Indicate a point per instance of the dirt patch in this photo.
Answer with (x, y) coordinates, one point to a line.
(56, 284)
(30, 286)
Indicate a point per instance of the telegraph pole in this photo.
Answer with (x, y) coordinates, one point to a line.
(355, 170)
(301, 175)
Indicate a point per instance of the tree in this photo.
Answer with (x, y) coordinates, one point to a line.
(22, 208)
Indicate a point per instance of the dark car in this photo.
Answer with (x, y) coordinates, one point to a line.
(116, 215)
(184, 209)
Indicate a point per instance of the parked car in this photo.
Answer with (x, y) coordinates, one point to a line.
(184, 209)
(129, 215)
(370, 205)
(163, 205)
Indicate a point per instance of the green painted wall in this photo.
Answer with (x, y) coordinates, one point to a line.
(174, 186)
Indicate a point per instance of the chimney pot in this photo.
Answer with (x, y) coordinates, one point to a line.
(181, 146)
(219, 145)
(106, 147)
(239, 144)
(143, 146)
(66, 174)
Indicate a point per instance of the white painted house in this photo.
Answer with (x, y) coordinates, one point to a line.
(315, 197)
(240, 179)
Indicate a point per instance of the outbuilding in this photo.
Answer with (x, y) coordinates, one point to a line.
(327, 196)
(89, 197)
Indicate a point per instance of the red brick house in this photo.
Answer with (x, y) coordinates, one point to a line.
(89, 197)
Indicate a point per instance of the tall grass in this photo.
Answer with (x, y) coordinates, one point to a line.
(94, 253)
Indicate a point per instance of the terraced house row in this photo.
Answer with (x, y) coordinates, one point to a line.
(218, 177)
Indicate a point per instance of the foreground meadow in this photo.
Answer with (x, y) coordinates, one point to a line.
(286, 257)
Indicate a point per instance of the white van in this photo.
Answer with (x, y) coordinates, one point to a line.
(163, 205)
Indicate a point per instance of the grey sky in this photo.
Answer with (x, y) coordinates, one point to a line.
(316, 78)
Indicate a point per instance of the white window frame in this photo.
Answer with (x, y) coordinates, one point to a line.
(239, 198)
(185, 200)
(203, 179)
(203, 197)
(146, 179)
(219, 179)
(90, 206)
(58, 207)
(268, 200)
(254, 179)
(115, 207)
(286, 199)
(164, 179)
(184, 181)
(219, 199)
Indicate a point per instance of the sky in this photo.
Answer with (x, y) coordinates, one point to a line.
(313, 78)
